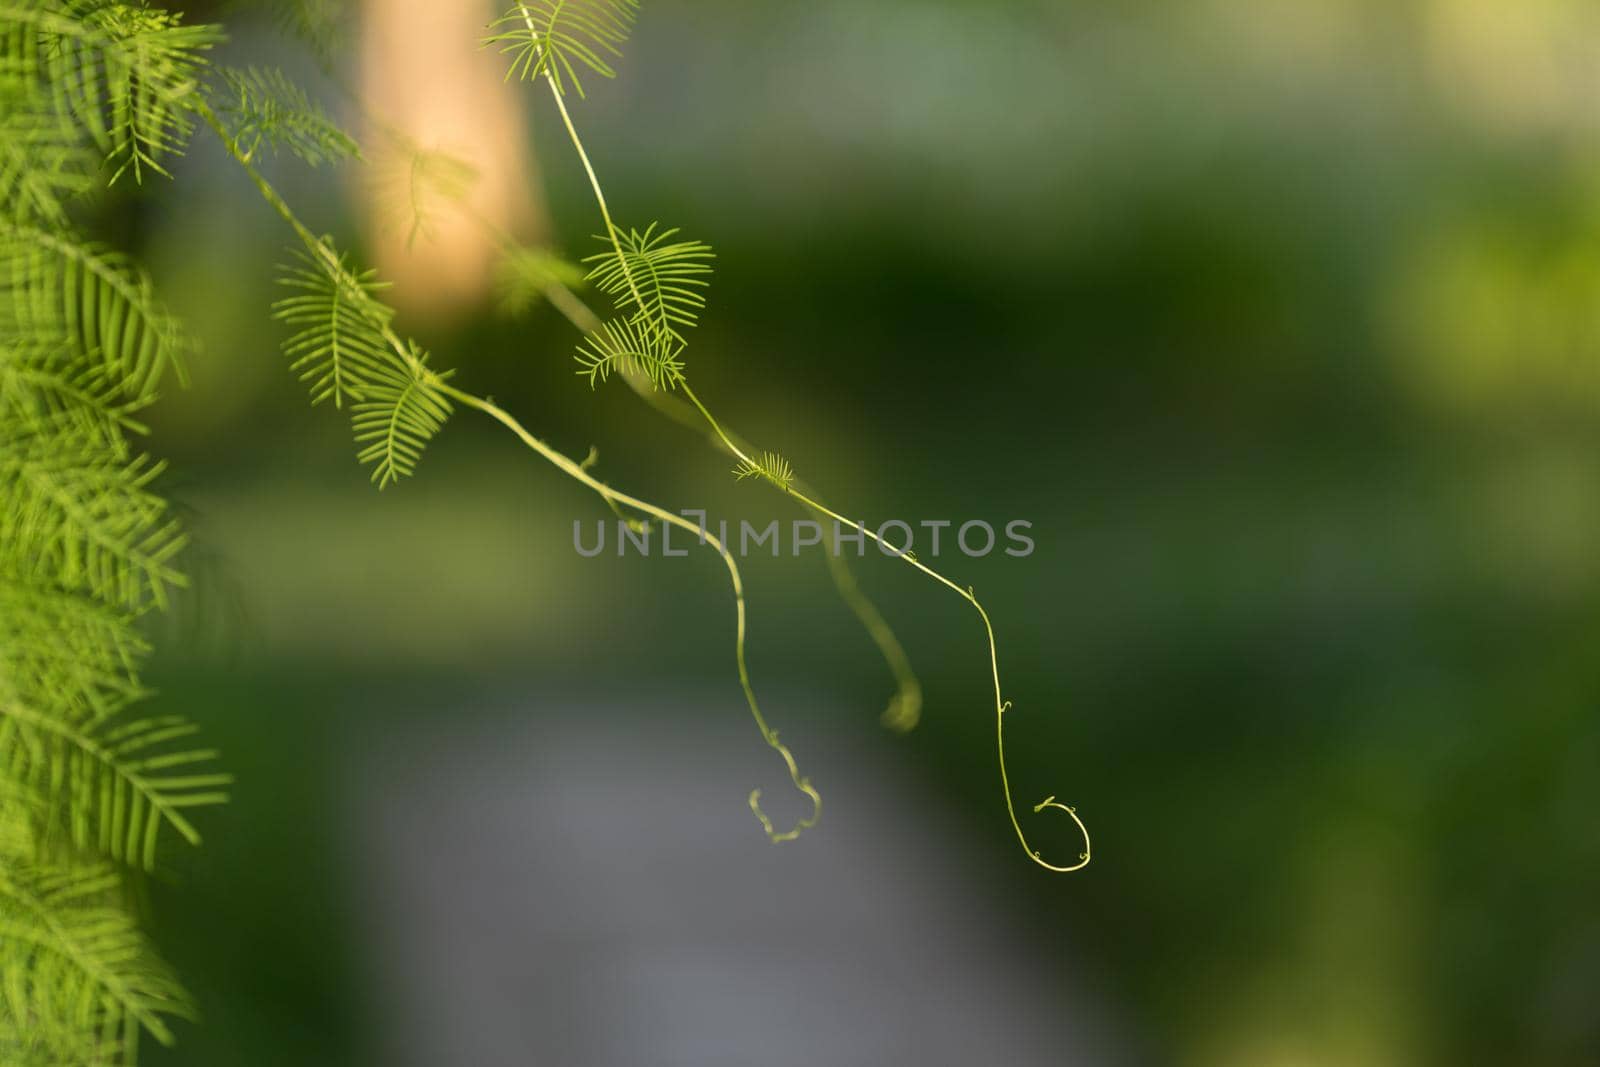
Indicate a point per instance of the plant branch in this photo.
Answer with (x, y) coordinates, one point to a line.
(1001, 704)
(579, 472)
(573, 469)
(905, 707)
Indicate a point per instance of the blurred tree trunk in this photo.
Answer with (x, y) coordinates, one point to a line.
(452, 162)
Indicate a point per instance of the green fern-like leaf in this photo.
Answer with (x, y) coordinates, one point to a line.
(625, 347)
(344, 347)
(339, 326)
(64, 650)
(77, 980)
(402, 410)
(43, 162)
(557, 37)
(662, 280)
(768, 466)
(119, 785)
(55, 290)
(81, 513)
(263, 106)
(44, 390)
(123, 72)
(86, 546)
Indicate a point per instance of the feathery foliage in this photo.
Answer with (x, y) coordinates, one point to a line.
(262, 105)
(122, 73)
(339, 325)
(659, 286)
(89, 786)
(556, 37)
(344, 346)
(768, 466)
(58, 290)
(43, 163)
(77, 980)
(404, 409)
(42, 391)
(80, 511)
(661, 280)
(626, 346)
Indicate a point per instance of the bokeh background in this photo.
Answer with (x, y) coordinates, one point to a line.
(1281, 323)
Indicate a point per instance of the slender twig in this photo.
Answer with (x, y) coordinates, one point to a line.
(573, 469)
(905, 707)
(1002, 706)
(580, 473)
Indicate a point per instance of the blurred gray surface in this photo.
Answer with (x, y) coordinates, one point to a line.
(586, 888)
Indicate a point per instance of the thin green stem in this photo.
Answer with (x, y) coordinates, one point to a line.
(1001, 704)
(317, 247)
(573, 469)
(583, 156)
(580, 473)
(905, 707)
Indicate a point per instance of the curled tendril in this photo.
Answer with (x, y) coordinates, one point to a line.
(1002, 706)
(904, 710)
(1083, 857)
(768, 734)
(618, 500)
(1048, 802)
(775, 835)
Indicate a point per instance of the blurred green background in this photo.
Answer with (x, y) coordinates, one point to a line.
(1281, 323)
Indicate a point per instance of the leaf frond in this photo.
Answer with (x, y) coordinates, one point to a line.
(402, 409)
(623, 346)
(55, 290)
(65, 650)
(555, 38)
(43, 163)
(43, 390)
(768, 466)
(663, 281)
(339, 324)
(116, 786)
(122, 72)
(80, 512)
(77, 978)
(262, 106)
(345, 347)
